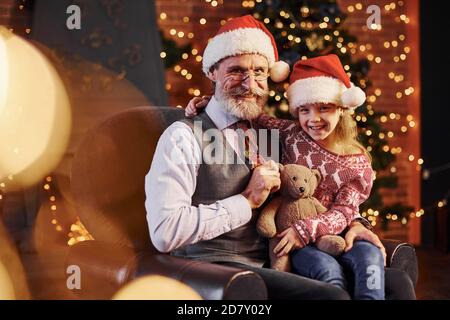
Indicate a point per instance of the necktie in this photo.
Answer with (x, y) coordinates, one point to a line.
(251, 153)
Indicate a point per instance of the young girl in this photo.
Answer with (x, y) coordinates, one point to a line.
(324, 138)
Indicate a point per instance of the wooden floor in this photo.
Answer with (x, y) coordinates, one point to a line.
(434, 275)
(434, 266)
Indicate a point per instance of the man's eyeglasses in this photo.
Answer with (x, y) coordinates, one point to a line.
(240, 76)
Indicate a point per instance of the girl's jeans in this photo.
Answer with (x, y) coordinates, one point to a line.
(360, 271)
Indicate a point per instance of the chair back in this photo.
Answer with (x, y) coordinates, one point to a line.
(108, 173)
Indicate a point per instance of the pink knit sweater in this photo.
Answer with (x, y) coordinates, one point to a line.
(346, 179)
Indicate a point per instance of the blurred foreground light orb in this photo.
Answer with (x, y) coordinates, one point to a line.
(35, 117)
(6, 286)
(156, 288)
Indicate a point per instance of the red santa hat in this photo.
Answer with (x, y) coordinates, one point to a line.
(245, 35)
(322, 80)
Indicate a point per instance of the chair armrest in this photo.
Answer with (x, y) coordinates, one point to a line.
(105, 267)
(402, 256)
(211, 281)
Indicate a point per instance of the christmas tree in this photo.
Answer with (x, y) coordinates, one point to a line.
(172, 51)
(306, 29)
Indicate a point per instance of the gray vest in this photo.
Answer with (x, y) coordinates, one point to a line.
(216, 182)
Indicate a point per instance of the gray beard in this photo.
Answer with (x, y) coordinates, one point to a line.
(247, 110)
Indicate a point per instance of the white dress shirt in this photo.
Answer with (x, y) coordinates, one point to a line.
(171, 182)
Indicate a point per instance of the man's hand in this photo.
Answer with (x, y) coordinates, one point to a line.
(194, 104)
(358, 232)
(265, 180)
(289, 240)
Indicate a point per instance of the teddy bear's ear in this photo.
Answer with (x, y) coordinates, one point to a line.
(318, 176)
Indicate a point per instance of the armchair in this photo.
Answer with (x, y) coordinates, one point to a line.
(107, 181)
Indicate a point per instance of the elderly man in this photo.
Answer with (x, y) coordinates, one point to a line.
(200, 209)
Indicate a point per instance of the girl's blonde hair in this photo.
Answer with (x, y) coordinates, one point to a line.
(346, 132)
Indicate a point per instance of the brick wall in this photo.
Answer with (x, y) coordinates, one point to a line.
(380, 43)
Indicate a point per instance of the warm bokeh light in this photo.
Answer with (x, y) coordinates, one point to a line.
(156, 288)
(34, 112)
(6, 286)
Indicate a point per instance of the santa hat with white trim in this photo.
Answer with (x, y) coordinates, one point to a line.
(322, 80)
(245, 35)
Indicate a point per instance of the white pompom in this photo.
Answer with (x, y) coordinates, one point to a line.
(353, 97)
(279, 71)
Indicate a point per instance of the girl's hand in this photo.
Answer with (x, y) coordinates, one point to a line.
(289, 240)
(194, 104)
(358, 232)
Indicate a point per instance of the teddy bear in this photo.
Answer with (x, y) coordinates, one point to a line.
(295, 202)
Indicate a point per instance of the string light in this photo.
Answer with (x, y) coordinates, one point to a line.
(78, 231)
